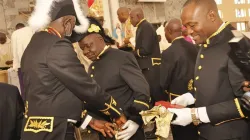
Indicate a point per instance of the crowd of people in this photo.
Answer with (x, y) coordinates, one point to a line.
(80, 81)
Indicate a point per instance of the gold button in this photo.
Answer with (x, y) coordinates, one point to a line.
(195, 89)
(93, 67)
(199, 132)
(205, 45)
(197, 78)
(202, 56)
(91, 75)
(89, 131)
(200, 67)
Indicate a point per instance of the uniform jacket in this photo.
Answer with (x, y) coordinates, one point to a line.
(56, 83)
(147, 50)
(217, 84)
(177, 68)
(118, 73)
(11, 112)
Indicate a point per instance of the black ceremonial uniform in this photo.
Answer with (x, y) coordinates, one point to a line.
(119, 74)
(217, 84)
(56, 85)
(176, 78)
(147, 52)
(11, 112)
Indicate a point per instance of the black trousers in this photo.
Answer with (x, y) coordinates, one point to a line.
(70, 132)
(201, 138)
(152, 76)
(188, 132)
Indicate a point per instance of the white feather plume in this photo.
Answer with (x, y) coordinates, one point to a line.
(84, 22)
(41, 17)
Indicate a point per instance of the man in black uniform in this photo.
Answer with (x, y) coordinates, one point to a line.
(118, 73)
(147, 52)
(218, 80)
(11, 112)
(55, 82)
(177, 72)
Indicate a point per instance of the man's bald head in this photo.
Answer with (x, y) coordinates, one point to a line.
(201, 19)
(123, 14)
(136, 15)
(207, 5)
(173, 29)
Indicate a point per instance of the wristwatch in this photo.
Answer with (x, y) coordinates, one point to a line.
(195, 120)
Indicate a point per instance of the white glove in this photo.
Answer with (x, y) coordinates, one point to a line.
(184, 100)
(130, 129)
(183, 116)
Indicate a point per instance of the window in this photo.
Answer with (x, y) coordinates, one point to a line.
(248, 1)
(220, 1)
(220, 14)
(240, 13)
(239, 1)
(241, 26)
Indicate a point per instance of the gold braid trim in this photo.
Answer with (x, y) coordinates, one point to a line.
(138, 53)
(217, 32)
(228, 121)
(109, 106)
(239, 108)
(143, 103)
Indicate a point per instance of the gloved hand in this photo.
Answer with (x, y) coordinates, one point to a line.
(184, 100)
(129, 129)
(184, 117)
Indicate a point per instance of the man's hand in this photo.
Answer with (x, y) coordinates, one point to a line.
(126, 41)
(246, 86)
(9, 62)
(184, 100)
(117, 44)
(184, 117)
(129, 129)
(102, 126)
(120, 121)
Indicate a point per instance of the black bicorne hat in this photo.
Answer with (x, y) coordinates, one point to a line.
(47, 11)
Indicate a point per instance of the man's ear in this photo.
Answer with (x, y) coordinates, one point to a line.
(211, 15)
(68, 19)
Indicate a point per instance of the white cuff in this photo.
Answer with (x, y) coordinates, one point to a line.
(202, 114)
(86, 122)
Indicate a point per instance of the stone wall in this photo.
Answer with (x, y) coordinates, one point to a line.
(13, 12)
(158, 11)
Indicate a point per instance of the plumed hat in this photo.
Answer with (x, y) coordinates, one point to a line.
(47, 11)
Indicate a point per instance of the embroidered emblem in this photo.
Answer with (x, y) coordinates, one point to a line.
(94, 28)
(113, 102)
(190, 84)
(156, 61)
(38, 124)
